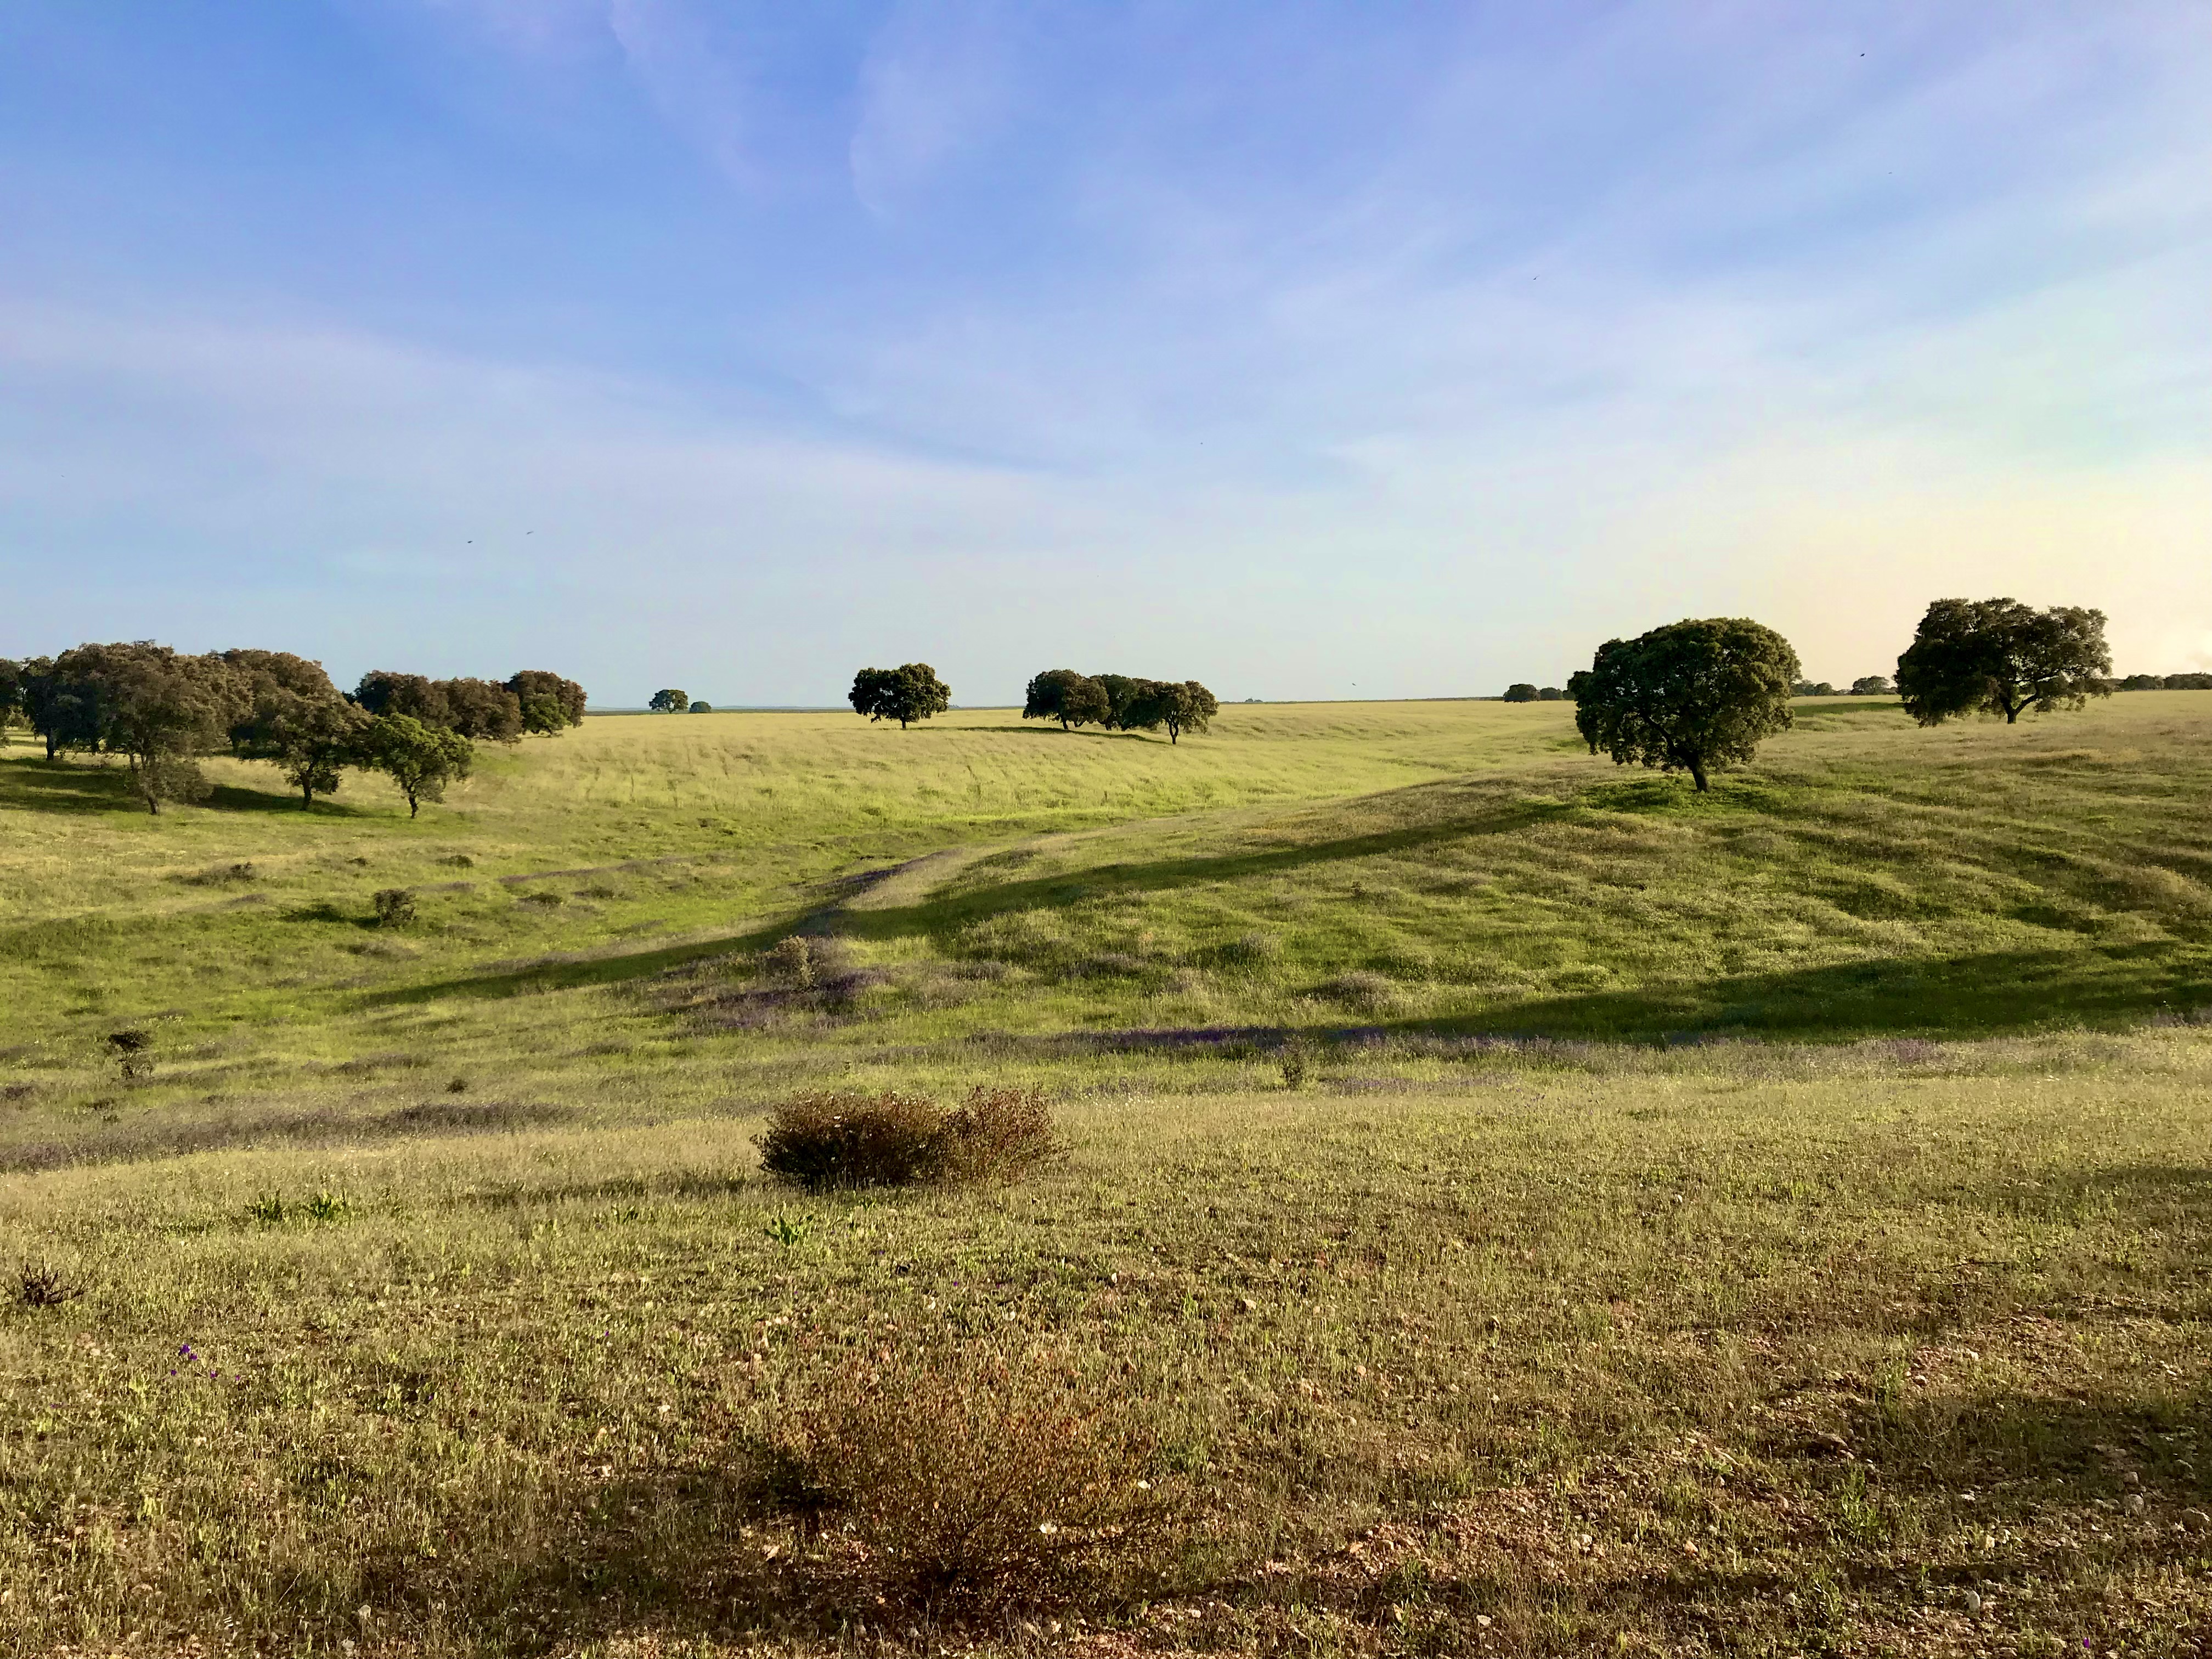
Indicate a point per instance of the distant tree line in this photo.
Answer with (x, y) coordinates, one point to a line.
(163, 711)
(1119, 703)
(2166, 683)
(1523, 691)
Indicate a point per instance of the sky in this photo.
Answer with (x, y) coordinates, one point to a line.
(1309, 350)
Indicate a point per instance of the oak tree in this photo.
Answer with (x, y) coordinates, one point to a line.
(1694, 695)
(906, 694)
(2000, 657)
(1179, 705)
(670, 702)
(548, 702)
(420, 759)
(1063, 694)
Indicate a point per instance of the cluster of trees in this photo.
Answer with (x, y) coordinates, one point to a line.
(163, 711)
(1867, 685)
(673, 702)
(2166, 683)
(1119, 703)
(1700, 695)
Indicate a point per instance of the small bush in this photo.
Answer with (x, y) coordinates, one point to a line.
(43, 1287)
(962, 1488)
(792, 961)
(822, 1141)
(542, 897)
(134, 1053)
(395, 906)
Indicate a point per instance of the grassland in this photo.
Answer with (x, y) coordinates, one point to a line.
(1772, 1223)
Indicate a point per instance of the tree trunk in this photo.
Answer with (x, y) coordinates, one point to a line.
(1698, 776)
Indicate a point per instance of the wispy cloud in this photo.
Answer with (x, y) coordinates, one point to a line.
(1420, 352)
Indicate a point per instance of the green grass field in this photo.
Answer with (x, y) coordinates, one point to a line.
(1522, 1207)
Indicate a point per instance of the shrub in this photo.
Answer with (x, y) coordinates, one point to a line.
(822, 1141)
(966, 1487)
(395, 906)
(134, 1052)
(41, 1286)
(792, 961)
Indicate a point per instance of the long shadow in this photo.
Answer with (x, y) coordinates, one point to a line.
(1109, 881)
(36, 785)
(1986, 994)
(937, 916)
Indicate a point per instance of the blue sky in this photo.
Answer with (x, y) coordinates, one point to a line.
(1309, 350)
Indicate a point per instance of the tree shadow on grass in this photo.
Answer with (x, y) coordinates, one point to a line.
(945, 915)
(36, 785)
(1987, 994)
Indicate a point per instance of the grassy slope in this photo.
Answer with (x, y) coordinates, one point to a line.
(1866, 1323)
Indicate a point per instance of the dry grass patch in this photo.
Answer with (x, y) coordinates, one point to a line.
(956, 1486)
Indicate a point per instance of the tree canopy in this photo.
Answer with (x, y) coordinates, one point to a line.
(1178, 705)
(420, 759)
(156, 707)
(1063, 694)
(1520, 691)
(2000, 657)
(1694, 695)
(1871, 686)
(906, 694)
(669, 701)
(548, 703)
(297, 718)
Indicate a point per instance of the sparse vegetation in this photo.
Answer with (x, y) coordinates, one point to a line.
(1682, 1202)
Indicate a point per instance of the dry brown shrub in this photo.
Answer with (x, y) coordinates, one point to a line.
(963, 1487)
(843, 1139)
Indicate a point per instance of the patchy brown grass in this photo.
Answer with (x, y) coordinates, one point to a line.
(825, 1141)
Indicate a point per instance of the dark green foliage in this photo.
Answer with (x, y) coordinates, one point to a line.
(2166, 683)
(1694, 695)
(1121, 692)
(1063, 694)
(484, 711)
(421, 760)
(1813, 688)
(701, 708)
(834, 1140)
(669, 701)
(295, 718)
(906, 694)
(1872, 685)
(150, 704)
(548, 703)
(1520, 691)
(1551, 694)
(1180, 706)
(384, 692)
(11, 693)
(2000, 657)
